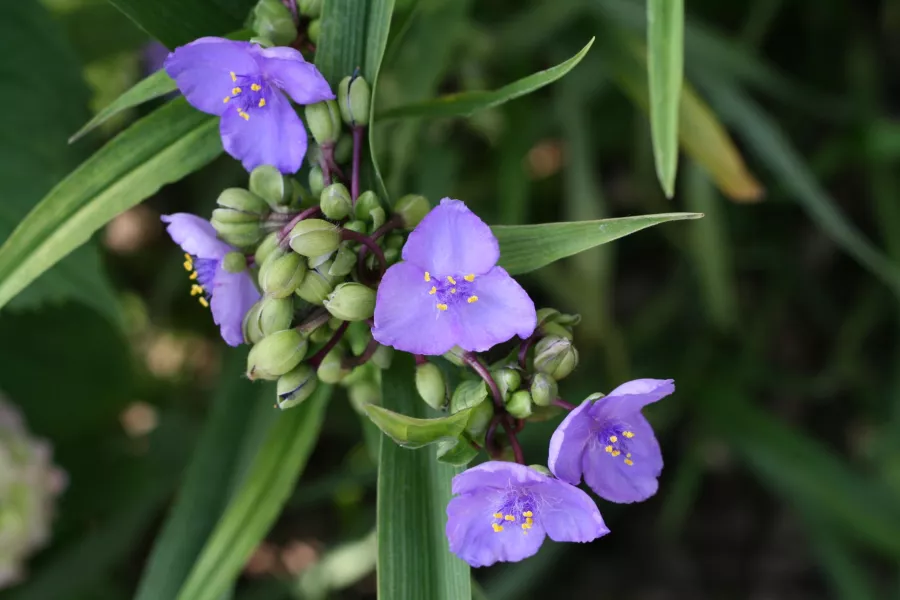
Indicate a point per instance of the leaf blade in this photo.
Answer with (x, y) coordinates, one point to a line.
(379, 26)
(177, 22)
(665, 67)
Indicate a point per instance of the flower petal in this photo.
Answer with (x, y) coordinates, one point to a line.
(286, 68)
(568, 514)
(273, 135)
(195, 235)
(202, 70)
(613, 480)
(406, 317)
(472, 538)
(452, 240)
(631, 397)
(233, 294)
(501, 310)
(569, 442)
(495, 474)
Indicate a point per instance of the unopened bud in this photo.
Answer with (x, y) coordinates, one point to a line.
(356, 225)
(343, 262)
(343, 150)
(455, 355)
(363, 392)
(366, 202)
(335, 201)
(316, 181)
(519, 404)
(555, 329)
(468, 394)
(274, 315)
(324, 121)
(239, 200)
(314, 30)
(394, 241)
(351, 302)
(430, 385)
(354, 97)
(276, 354)
(236, 233)
(479, 420)
(314, 237)
(378, 217)
(310, 8)
(282, 274)
(265, 248)
(273, 20)
(382, 357)
(508, 381)
(271, 185)
(543, 389)
(315, 287)
(555, 356)
(331, 369)
(250, 325)
(412, 208)
(296, 386)
(234, 262)
(391, 255)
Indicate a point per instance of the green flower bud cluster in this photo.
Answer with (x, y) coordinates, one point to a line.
(273, 23)
(29, 485)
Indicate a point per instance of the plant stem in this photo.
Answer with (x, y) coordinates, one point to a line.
(562, 404)
(524, 346)
(513, 440)
(357, 153)
(472, 360)
(355, 361)
(367, 242)
(317, 358)
(316, 320)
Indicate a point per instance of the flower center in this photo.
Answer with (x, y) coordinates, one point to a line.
(249, 93)
(203, 272)
(451, 290)
(614, 436)
(517, 508)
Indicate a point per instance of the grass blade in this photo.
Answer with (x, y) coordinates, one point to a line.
(665, 67)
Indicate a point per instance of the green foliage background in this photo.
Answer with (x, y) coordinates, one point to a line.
(776, 314)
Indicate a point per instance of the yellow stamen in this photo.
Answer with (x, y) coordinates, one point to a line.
(629, 462)
(432, 291)
(451, 280)
(452, 290)
(509, 518)
(628, 434)
(188, 265)
(233, 76)
(203, 302)
(244, 115)
(608, 448)
(196, 289)
(470, 277)
(255, 87)
(427, 276)
(614, 438)
(262, 102)
(193, 276)
(616, 453)
(472, 299)
(527, 513)
(529, 521)
(235, 91)
(498, 515)
(442, 307)
(227, 98)
(497, 528)
(526, 526)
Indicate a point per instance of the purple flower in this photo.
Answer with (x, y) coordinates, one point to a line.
(448, 291)
(503, 510)
(230, 295)
(243, 84)
(611, 443)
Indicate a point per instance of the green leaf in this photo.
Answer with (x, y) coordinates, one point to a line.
(259, 500)
(38, 112)
(414, 560)
(98, 30)
(665, 66)
(467, 103)
(177, 22)
(411, 432)
(524, 248)
(379, 27)
(342, 39)
(159, 149)
(458, 452)
(202, 497)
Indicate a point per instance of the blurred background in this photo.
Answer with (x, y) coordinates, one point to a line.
(776, 314)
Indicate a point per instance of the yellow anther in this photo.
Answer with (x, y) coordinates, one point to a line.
(616, 453)
(529, 521)
(497, 528)
(472, 299)
(233, 76)
(509, 518)
(451, 280)
(188, 265)
(527, 513)
(196, 289)
(262, 102)
(614, 438)
(629, 462)
(442, 307)
(608, 448)
(427, 276)
(526, 526)
(432, 291)
(203, 302)
(628, 434)
(452, 290)
(498, 515)
(227, 98)
(255, 87)
(244, 115)
(235, 91)
(470, 277)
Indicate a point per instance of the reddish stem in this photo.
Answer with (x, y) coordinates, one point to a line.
(309, 212)
(489, 441)
(316, 320)
(367, 242)
(317, 358)
(513, 440)
(472, 360)
(355, 361)
(357, 153)
(562, 404)
(420, 360)
(524, 346)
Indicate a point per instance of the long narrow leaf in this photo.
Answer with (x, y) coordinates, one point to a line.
(665, 66)
(379, 26)
(176, 22)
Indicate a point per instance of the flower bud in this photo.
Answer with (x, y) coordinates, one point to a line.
(519, 404)
(354, 97)
(234, 262)
(351, 302)
(282, 273)
(412, 208)
(430, 385)
(343, 150)
(455, 356)
(316, 181)
(250, 325)
(356, 225)
(508, 381)
(300, 196)
(343, 262)
(479, 420)
(468, 394)
(240, 234)
(240, 200)
(273, 20)
(310, 8)
(378, 217)
(331, 369)
(363, 392)
(366, 202)
(276, 354)
(324, 121)
(274, 315)
(394, 241)
(458, 452)
(314, 30)
(295, 386)
(263, 41)
(382, 357)
(555, 329)
(314, 237)
(335, 201)
(391, 255)
(543, 389)
(268, 183)
(555, 356)
(265, 248)
(315, 287)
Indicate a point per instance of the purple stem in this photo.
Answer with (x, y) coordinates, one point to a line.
(357, 152)
(524, 346)
(472, 360)
(489, 441)
(367, 242)
(420, 360)
(317, 358)
(309, 212)
(316, 320)
(292, 6)
(513, 440)
(363, 358)
(562, 404)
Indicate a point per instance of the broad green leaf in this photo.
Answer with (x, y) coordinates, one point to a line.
(44, 98)
(458, 452)
(160, 148)
(524, 248)
(411, 432)
(155, 86)
(699, 132)
(342, 38)
(377, 30)
(467, 103)
(414, 560)
(665, 66)
(259, 500)
(204, 493)
(177, 22)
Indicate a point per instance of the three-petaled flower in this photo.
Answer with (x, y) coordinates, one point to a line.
(611, 444)
(229, 295)
(449, 291)
(243, 84)
(502, 512)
